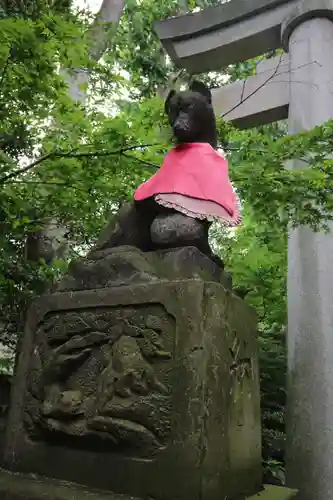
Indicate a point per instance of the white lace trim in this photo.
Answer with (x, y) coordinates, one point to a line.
(235, 221)
(221, 152)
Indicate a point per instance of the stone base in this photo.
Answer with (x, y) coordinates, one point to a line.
(28, 487)
(127, 265)
(140, 377)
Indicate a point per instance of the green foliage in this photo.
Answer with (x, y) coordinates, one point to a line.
(279, 195)
(30, 9)
(256, 255)
(138, 50)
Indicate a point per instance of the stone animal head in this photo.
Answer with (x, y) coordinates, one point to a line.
(191, 114)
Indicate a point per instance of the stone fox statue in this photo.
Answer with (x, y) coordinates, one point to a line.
(176, 206)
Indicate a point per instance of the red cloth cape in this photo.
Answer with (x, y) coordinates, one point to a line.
(194, 170)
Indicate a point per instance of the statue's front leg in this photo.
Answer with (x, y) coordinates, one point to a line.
(130, 226)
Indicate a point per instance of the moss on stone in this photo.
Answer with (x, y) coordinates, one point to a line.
(275, 493)
(15, 486)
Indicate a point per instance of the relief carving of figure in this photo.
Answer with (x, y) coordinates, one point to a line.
(103, 380)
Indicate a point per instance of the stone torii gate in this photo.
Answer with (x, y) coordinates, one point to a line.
(298, 86)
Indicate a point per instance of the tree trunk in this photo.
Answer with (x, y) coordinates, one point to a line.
(101, 34)
(49, 242)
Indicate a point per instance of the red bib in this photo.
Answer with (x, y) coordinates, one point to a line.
(194, 170)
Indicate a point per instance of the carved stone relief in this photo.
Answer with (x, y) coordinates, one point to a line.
(99, 379)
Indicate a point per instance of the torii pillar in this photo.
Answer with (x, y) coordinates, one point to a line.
(302, 90)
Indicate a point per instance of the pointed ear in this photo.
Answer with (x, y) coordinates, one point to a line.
(168, 99)
(202, 89)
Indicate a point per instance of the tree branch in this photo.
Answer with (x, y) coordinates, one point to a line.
(97, 154)
(71, 154)
(243, 99)
(140, 160)
(4, 70)
(106, 20)
(22, 170)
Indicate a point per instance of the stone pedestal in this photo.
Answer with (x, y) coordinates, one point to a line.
(149, 388)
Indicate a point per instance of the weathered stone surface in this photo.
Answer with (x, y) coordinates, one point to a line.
(189, 263)
(127, 227)
(309, 416)
(302, 11)
(118, 266)
(99, 387)
(177, 228)
(109, 268)
(124, 388)
(31, 487)
(27, 487)
(148, 226)
(258, 99)
(225, 34)
(206, 20)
